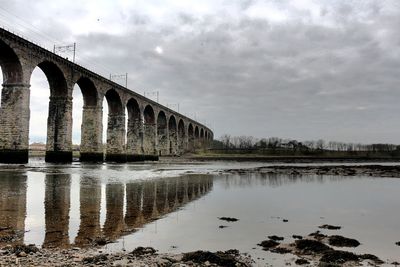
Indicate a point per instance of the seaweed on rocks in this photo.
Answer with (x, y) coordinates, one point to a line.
(317, 235)
(267, 244)
(18, 249)
(338, 257)
(226, 258)
(311, 246)
(228, 219)
(140, 251)
(341, 241)
(95, 259)
(280, 250)
(371, 257)
(329, 227)
(275, 238)
(301, 261)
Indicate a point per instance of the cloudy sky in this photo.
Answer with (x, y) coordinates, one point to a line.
(297, 69)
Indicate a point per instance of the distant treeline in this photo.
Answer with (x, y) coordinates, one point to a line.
(277, 146)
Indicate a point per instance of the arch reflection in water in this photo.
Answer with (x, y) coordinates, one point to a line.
(90, 200)
(144, 201)
(57, 205)
(127, 206)
(12, 207)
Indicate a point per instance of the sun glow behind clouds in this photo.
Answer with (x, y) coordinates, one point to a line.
(159, 50)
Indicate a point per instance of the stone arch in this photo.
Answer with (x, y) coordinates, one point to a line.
(181, 137)
(149, 134)
(10, 65)
(162, 133)
(114, 102)
(59, 122)
(14, 143)
(89, 92)
(191, 138)
(134, 136)
(55, 77)
(172, 135)
(91, 148)
(115, 127)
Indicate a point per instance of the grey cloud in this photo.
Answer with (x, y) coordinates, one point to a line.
(298, 79)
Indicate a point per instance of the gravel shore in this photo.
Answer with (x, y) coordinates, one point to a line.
(21, 255)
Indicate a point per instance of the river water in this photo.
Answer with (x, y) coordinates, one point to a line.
(175, 207)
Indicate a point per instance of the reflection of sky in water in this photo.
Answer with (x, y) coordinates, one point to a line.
(365, 207)
(362, 205)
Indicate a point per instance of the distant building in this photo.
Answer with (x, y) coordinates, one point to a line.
(37, 147)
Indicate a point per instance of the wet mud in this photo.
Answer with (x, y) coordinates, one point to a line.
(342, 170)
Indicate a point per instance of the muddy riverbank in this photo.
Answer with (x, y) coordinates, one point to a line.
(342, 170)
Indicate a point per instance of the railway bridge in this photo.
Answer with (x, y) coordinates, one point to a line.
(152, 129)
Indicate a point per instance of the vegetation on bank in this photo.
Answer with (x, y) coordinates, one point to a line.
(248, 146)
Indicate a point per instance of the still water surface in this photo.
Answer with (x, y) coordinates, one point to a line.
(175, 207)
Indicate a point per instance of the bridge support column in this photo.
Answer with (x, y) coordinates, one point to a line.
(91, 138)
(116, 138)
(173, 142)
(163, 142)
(134, 142)
(59, 130)
(149, 141)
(14, 123)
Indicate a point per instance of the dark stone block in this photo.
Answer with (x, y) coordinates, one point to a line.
(58, 156)
(91, 157)
(134, 158)
(151, 157)
(120, 158)
(14, 156)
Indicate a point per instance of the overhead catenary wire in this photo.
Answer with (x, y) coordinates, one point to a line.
(28, 31)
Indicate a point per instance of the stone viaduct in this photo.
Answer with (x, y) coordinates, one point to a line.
(152, 129)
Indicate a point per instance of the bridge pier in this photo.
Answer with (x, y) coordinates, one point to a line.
(149, 134)
(172, 137)
(149, 144)
(14, 123)
(134, 140)
(115, 138)
(163, 142)
(162, 134)
(134, 136)
(91, 148)
(59, 130)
